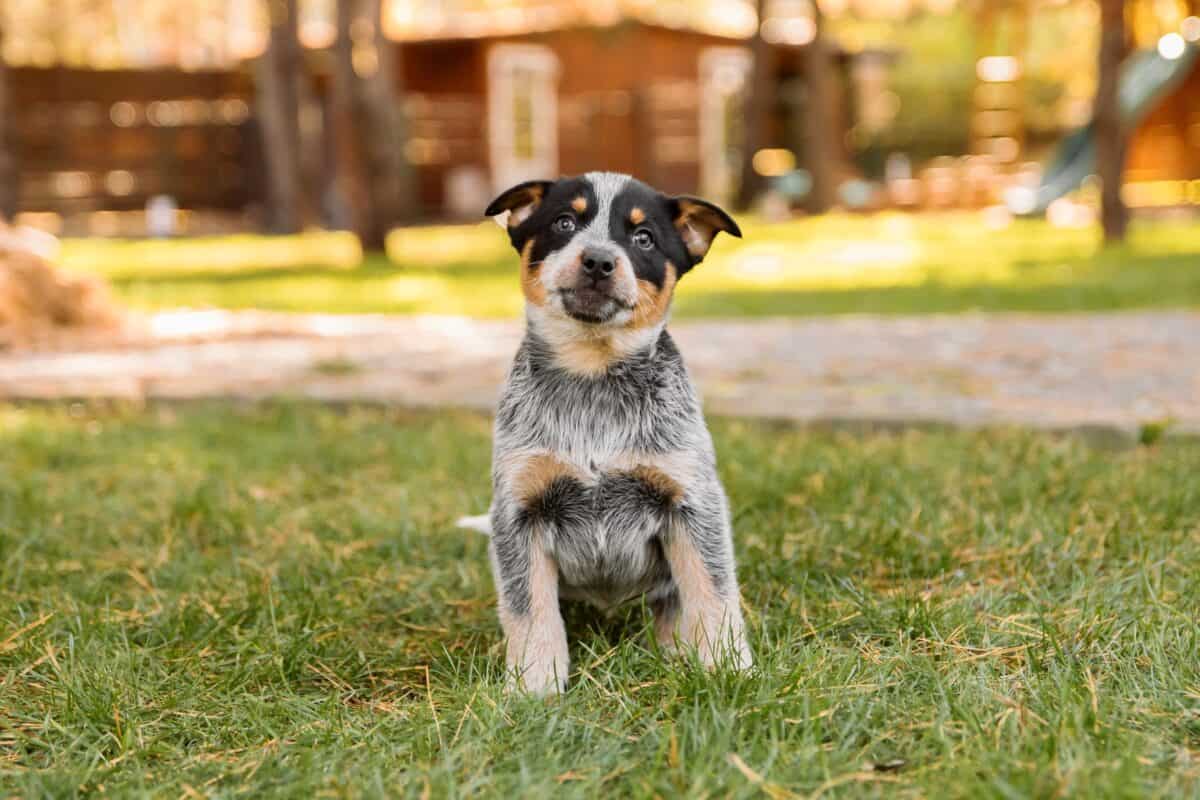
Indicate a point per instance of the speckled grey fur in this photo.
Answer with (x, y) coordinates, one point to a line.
(606, 531)
(604, 479)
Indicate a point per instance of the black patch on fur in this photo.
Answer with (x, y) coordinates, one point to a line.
(628, 490)
(649, 265)
(511, 543)
(554, 203)
(660, 211)
(705, 530)
(565, 501)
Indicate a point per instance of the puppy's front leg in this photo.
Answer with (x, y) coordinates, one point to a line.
(704, 613)
(527, 583)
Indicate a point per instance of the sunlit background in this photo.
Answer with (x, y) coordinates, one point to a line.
(372, 125)
(253, 326)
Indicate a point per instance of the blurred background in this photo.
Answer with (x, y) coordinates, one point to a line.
(135, 117)
(246, 290)
(888, 156)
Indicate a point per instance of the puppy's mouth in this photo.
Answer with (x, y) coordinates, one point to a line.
(591, 305)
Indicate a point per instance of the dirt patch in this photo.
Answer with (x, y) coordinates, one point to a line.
(42, 304)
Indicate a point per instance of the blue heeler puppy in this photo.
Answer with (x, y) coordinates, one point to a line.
(604, 480)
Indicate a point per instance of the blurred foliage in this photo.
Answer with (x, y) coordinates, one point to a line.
(105, 35)
(933, 77)
(1060, 67)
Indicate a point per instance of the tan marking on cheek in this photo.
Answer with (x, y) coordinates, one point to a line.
(531, 283)
(660, 482)
(579, 204)
(537, 474)
(653, 302)
(637, 216)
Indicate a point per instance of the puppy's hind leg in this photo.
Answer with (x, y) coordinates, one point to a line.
(666, 620)
(706, 616)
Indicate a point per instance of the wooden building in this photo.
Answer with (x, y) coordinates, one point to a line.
(91, 140)
(664, 104)
(1166, 145)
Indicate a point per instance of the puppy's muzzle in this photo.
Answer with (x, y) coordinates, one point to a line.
(591, 297)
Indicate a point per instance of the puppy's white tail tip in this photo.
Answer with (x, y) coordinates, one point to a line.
(481, 523)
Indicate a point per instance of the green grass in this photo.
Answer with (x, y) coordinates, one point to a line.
(887, 264)
(271, 601)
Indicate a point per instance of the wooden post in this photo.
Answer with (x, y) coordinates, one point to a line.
(822, 150)
(390, 181)
(758, 108)
(373, 179)
(1110, 138)
(276, 73)
(9, 174)
(349, 177)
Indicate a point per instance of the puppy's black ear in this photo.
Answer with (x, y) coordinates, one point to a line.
(698, 222)
(520, 201)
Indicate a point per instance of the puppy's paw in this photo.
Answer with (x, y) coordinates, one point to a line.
(730, 651)
(540, 679)
(539, 665)
(737, 655)
(717, 642)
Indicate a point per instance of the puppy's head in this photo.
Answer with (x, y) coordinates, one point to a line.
(603, 251)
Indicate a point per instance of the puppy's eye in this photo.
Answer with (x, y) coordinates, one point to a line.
(564, 224)
(643, 238)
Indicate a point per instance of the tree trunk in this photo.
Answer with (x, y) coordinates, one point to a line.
(349, 176)
(276, 74)
(758, 108)
(374, 181)
(385, 131)
(9, 176)
(1110, 138)
(821, 154)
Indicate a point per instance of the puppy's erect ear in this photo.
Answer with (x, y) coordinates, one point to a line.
(519, 202)
(698, 222)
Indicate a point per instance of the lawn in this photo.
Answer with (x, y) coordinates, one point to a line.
(272, 601)
(887, 264)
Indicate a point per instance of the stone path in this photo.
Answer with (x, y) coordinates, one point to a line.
(1117, 370)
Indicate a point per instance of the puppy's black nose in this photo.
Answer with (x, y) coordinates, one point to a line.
(598, 263)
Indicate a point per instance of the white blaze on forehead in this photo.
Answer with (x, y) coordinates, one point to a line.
(606, 185)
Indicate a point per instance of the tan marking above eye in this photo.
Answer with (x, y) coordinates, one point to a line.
(653, 302)
(580, 204)
(637, 216)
